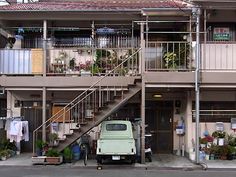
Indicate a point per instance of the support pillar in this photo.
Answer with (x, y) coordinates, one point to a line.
(44, 48)
(44, 114)
(197, 83)
(143, 95)
(44, 75)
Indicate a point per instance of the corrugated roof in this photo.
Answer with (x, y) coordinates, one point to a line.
(73, 5)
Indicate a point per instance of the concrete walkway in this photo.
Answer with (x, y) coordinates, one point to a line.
(165, 161)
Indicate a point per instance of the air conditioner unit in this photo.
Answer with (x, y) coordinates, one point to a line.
(219, 126)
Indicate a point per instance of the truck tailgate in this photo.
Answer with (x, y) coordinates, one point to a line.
(116, 147)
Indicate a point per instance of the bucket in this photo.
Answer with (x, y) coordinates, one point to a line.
(192, 156)
(76, 152)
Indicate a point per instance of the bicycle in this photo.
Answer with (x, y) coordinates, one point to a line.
(84, 151)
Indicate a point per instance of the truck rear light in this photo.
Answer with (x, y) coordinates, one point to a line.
(132, 150)
(99, 149)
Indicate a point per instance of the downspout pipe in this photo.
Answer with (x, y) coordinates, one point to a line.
(197, 13)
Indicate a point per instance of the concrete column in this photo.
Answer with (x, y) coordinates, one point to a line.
(44, 48)
(44, 114)
(143, 95)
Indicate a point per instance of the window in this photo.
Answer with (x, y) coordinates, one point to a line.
(215, 111)
(116, 127)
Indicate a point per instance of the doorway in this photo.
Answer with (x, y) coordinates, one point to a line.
(159, 116)
(34, 117)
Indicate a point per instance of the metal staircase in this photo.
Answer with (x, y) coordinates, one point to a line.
(91, 107)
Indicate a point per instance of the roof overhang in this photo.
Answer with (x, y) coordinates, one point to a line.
(166, 11)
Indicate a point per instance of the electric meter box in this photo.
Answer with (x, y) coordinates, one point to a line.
(179, 130)
(219, 126)
(233, 123)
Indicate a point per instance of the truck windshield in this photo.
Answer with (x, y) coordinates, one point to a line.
(116, 127)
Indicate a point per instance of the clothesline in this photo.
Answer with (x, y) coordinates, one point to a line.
(13, 118)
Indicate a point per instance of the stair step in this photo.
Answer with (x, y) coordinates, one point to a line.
(68, 134)
(81, 124)
(101, 113)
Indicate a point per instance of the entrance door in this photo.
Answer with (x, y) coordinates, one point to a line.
(164, 130)
(34, 118)
(159, 120)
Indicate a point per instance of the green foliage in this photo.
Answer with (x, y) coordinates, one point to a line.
(170, 60)
(6, 144)
(176, 55)
(53, 136)
(219, 134)
(52, 153)
(67, 153)
(4, 153)
(40, 144)
(202, 140)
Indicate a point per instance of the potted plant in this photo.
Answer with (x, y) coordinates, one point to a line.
(221, 138)
(53, 156)
(39, 147)
(223, 150)
(232, 153)
(4, 154)
(170, 59)
(67, 154)
(53, 138)
(203, 142)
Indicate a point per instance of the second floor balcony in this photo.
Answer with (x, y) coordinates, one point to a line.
(86, 58)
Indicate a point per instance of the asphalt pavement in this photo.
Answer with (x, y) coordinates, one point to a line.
(59, 171)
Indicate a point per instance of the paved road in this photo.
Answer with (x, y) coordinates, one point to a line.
(57, 171)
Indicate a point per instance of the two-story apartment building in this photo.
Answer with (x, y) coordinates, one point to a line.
(91, 60)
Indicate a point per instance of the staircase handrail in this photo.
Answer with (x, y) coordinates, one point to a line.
(80, 95)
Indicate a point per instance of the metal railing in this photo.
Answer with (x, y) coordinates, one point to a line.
(87, 61)
(168, 55)
(83, 108)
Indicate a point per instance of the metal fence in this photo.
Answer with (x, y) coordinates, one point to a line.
(168, 55)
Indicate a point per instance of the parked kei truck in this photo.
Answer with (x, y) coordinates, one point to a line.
(116, 141)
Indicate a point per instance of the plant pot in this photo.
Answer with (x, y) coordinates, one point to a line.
(202, 145)
(85, 73)
(207, 157)
(3, 158)
(212, 157)
(221, 141)
(215, 141)
(223, 157)
(39, 152)
(54, 160)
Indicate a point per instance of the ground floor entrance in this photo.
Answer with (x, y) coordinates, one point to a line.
(159, 116)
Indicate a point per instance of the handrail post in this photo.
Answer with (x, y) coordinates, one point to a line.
(64, 120)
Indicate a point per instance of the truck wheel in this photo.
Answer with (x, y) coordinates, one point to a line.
(99, 160)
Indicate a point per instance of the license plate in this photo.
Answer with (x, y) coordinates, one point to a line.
(115, 157)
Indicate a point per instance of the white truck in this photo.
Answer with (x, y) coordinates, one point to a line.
(116, 141)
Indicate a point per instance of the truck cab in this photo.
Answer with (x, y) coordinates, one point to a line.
(116, 141)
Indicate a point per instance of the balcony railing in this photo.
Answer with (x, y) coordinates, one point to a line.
(86, 42)
(218, 57)
(16, 61)
(92, 61)
(168, 55)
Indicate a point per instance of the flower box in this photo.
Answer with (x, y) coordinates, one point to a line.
(54, 160)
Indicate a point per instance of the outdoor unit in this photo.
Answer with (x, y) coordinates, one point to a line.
(219, 126)
(233, 123)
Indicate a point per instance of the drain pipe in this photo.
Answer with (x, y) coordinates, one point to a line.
(197, 13)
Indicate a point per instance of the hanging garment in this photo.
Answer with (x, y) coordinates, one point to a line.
(1, 124)
(25, 130)
(16, 131)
